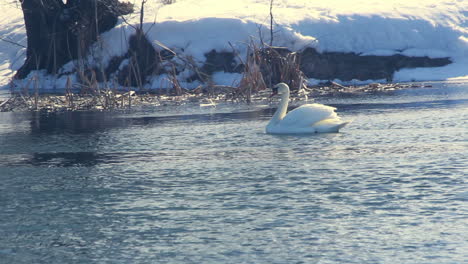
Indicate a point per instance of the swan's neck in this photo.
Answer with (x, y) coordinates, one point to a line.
(282, 109)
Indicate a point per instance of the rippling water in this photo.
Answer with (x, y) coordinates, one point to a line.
(192, 185)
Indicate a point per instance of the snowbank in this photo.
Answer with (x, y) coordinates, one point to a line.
(12, 40)
(433, 28)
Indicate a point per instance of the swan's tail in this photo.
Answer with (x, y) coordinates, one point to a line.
(330, 125)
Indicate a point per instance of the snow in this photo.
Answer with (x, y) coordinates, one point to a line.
(226, 78)
(433, 28)
(11, 30)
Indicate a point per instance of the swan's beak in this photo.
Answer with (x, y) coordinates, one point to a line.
(275, 91)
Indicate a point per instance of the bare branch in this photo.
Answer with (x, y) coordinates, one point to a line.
(142, 14)
(271, 22)
(12, 42)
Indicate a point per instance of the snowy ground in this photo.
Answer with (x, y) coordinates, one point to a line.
(11, 31)
(434, 28)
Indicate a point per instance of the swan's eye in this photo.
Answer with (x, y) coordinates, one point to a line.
(275, 90)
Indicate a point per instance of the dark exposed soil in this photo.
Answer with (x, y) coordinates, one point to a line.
(349, 66)
(333, 65)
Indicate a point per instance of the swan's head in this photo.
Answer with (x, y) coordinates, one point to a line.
(280, 88)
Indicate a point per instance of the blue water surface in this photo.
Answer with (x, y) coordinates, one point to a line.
(192, 185)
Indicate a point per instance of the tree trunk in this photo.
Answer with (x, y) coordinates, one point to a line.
(58, 33)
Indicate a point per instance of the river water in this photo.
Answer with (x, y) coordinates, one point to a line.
(192, 185)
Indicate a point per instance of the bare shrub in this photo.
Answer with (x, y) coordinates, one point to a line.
(168, 2)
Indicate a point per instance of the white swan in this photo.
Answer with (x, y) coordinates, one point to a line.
(309, 118)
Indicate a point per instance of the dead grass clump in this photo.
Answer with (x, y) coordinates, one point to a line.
(281, 65)
(264, 67)
(252, 78)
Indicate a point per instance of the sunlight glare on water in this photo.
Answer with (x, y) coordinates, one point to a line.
(152, 187)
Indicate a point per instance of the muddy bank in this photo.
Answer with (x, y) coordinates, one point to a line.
(142, 64)
(321, 66)
(349, 66)
(334, 65)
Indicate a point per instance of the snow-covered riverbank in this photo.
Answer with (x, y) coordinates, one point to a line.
(192, 28)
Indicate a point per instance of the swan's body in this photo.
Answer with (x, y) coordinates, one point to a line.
(309, 118)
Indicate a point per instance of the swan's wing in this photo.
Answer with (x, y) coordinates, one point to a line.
(309, 114)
